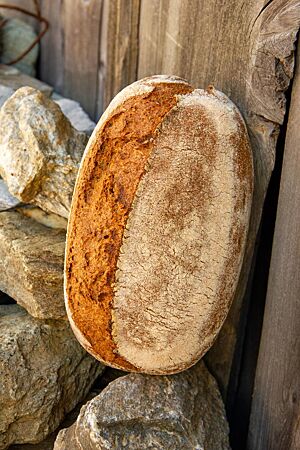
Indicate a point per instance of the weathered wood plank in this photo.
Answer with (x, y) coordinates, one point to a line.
(246, 50)
(51, 67)
(70, 49)
(118, 48)
(82, 21)
(90, 51)
(275, 416)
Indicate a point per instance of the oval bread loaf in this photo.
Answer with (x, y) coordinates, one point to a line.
(158, 225)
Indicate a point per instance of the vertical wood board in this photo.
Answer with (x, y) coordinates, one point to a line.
(118, 48)
(82, 20)
(90, 51)
(275, 416)
(51, 67)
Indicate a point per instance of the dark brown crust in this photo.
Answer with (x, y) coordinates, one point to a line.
(105, 191)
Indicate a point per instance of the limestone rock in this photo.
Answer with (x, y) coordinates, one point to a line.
(14, 79)
(48, 219)
(72, 110)
(31, 264)
(76, 115)
(44, 374)
(40, 151)
(7, 201)
(136, 412)
(17, 36)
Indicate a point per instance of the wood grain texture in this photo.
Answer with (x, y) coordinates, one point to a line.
(275, 417)
(70, 49)
(90, 51)
(250, 58)
(118, 48)
(51, 67)
(82, 21)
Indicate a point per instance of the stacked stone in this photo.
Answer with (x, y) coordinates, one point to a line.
(44, 371)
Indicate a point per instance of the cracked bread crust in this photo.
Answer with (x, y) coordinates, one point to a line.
(158, 225)
(112, 166)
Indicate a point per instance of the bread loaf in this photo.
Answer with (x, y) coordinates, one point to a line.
(158, 225)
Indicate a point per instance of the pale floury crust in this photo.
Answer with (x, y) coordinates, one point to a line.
(173, 271)
(185, 237)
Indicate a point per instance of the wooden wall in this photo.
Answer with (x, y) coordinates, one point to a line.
(91, 49)
(275, 417)
(246, 49)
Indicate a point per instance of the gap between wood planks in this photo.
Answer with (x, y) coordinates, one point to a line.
(241, 384)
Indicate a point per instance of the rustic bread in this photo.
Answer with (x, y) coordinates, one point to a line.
(158, 225)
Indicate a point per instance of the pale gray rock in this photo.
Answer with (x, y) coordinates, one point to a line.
(40, 151)
(7, 201)
(14, 79)
(76, 115)
(16, 37)
(72, 110)
(44, 373)
(137, 412)
(8, 70)
(5, 93)
(31, 264)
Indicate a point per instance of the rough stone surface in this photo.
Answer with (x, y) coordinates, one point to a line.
(136, 412)
(40, 151)
(17, 36)
(76, 115)
(31, 264)
(14, 79)
(48, 219)
(71, 417)
(71, 109)
(44, 374)
(7, 201)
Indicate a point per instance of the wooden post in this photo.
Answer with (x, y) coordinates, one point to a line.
(275, 416)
